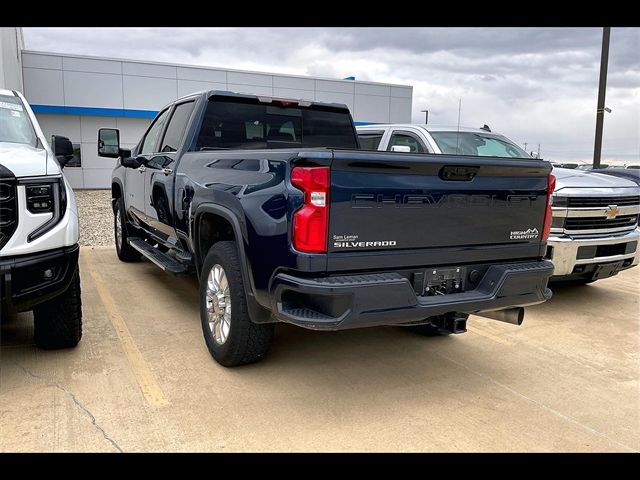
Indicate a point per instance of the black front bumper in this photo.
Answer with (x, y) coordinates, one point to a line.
(23, 284)
(336, 303)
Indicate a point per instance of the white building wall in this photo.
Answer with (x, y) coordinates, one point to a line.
(118, 89)
(11, 45)
(95, 171)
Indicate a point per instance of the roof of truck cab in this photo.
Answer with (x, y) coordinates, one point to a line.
(429, 128)
(7, 92)
(227, 93)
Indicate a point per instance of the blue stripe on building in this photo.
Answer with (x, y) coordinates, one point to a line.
(94, 111)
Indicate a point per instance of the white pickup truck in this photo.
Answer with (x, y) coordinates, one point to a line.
(38, 227)
(594, 230)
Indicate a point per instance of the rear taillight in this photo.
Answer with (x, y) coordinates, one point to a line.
(311, 221)
(546, 228)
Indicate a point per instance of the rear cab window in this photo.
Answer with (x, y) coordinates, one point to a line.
(245, 123)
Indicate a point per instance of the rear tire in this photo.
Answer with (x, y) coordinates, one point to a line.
(58, 322)
(231, 337)
(125, 252)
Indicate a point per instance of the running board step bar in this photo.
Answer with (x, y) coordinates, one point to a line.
(164, 261)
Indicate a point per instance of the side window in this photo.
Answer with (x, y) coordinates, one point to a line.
(370, 140)
(151, 138)
(177, 126)
(408, 140)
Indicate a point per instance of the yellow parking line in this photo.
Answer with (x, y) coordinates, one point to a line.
(144, 376)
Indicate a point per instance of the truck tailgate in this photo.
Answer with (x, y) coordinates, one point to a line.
(391, 201)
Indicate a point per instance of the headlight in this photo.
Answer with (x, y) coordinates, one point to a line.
(40, 198)
(45, 195)
(557, 222)
(559, 201)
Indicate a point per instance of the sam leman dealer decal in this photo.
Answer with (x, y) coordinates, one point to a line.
(351, 241)
(528, 234)
(379, 243)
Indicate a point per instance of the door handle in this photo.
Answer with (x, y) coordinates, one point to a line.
(458, 173)
(167, 171)
(142, 169)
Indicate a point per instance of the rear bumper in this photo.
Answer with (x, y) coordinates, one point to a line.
(23, 284)
(569, 252)
(353, 301)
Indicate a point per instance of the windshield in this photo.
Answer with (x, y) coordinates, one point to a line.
(15, 126)
(478, 144)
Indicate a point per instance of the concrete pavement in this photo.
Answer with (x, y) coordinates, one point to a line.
(142, 379)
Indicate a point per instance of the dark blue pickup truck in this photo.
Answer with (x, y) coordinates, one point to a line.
(285, 219)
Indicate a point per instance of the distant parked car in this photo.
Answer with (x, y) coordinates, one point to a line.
(630, 173)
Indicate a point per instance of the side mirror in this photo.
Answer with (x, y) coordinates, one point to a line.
(401, 148)
(109, 142)
(62, 149)
(128, 161)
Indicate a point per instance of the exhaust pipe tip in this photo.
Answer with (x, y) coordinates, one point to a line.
(514, 316)
(519, 316)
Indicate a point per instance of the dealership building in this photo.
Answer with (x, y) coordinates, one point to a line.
(74, 96)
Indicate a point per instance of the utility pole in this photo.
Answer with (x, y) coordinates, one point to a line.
(604, 61)
(525, 146)
(458, 132)
(426, 116)
(538, 150)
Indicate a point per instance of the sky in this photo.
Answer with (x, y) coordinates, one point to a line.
(534, 85)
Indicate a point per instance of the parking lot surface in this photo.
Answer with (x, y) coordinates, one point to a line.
(142, 379)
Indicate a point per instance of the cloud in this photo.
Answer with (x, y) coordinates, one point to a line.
(535, 85)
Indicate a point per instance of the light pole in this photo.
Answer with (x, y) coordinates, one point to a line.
(426, 116)
(602, 90)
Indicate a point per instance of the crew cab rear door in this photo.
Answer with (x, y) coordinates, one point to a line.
(159, 181)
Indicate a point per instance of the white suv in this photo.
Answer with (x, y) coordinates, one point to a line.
(38, 227)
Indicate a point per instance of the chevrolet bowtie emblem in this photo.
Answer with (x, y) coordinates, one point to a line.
(611, 212)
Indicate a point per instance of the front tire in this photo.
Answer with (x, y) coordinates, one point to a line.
(125, 252)
(58, 322)
(231, 337)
